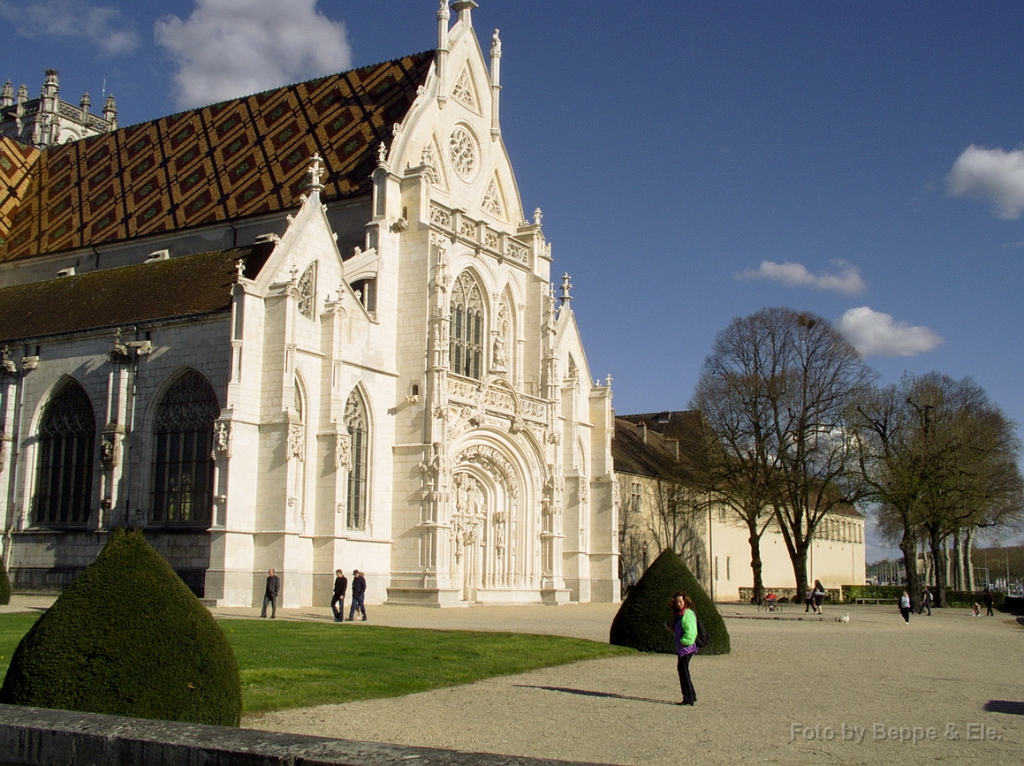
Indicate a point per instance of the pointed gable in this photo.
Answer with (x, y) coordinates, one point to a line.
(238, 158)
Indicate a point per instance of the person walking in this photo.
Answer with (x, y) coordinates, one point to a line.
(684, 631)
(270, 594)
(819, 595)
(808, 600)
(926, 602)
(338, 599)
(358, 594)
(989, 601)
(905, 607)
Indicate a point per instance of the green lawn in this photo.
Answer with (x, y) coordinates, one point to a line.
(297, 664)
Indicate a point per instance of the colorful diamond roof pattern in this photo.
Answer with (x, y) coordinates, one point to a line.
(239, 158)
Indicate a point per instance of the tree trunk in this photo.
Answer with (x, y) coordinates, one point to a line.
(969, 559)
(756, 565)
(909, 547)
(935, 542)
(957, 579)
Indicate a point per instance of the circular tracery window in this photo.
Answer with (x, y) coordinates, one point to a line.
(463, 152)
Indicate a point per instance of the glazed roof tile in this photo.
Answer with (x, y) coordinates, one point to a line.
(239, 158)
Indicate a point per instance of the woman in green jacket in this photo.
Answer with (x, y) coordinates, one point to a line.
(684, 628)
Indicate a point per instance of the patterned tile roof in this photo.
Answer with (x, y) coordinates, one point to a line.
(186, 286)
(239, 158)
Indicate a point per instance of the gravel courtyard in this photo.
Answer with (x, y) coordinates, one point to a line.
(947, 688)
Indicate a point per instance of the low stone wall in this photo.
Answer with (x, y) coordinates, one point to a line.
(37, 737)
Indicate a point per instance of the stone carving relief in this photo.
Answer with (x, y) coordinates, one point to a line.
(296, 442)
(463, 90)
(492, 201)
(110, 442)
(342, 452)
(221, 439)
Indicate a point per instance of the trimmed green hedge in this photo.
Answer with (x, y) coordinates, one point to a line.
(640, 621)
(128, 638)
(5, 585)
(851, 592)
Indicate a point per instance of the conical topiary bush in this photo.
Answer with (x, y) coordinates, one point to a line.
(5, 585)
(640, 621)
(128, 638)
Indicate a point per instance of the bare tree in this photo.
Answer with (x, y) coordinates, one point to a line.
(941, 459)
(776, 390)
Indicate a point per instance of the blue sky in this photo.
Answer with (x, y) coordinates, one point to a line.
(695, 161)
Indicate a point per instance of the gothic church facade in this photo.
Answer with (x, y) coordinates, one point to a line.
(308, 329)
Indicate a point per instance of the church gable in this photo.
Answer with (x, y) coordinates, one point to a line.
(222, 162)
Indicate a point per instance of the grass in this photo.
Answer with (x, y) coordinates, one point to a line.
(298, 664)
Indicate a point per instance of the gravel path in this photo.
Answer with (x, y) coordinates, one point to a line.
(946, 688)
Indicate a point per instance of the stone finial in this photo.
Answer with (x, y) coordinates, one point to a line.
(538, 216)
(496, 45)
(382, 153)
(315, 172)
(465, 10)
(22, 94)
(85, 103)
(7, 95)
(566, 287)
(442, 12)
(110, 110)
(608, 381)
(51, 84)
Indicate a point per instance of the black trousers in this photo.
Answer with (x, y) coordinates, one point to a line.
(685, 682)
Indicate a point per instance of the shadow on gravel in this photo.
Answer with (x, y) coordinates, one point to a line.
(587, 693)
(1004, 706)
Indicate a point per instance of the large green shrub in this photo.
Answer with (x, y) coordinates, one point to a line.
(128, 638)
(5, 585)
(640, 621)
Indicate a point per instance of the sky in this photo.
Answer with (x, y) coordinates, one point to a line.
(694, 161)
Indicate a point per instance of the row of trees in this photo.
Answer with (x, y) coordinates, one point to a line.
(796, 428)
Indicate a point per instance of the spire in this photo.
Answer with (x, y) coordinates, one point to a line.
(85, 103)
(465, 10)
(110, 111)
(495, 85)
(7, 95)
(442, 52)
(566, 287)
(315, 172)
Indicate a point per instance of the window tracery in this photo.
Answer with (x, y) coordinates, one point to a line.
(66, 438)
(307, 291)
(356, 423)
(492, 201)
(463, 90)
(466, 343)
(462, 149)
(183, 462)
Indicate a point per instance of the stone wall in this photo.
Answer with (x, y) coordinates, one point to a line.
(34, 737)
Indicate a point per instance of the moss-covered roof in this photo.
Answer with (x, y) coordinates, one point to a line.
(186, 286)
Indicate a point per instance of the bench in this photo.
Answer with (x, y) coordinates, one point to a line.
(873, 600)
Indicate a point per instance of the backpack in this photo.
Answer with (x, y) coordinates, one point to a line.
(703, 637)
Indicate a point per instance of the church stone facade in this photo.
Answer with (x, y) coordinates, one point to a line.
(309, 329)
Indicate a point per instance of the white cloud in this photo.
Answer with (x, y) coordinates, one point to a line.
(231, 48)
(848, 281)
(874, 333)
(990, 174)
(104, 27)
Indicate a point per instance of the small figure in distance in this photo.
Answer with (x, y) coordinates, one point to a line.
(338, 599)
(684, 630)
(772, 600)
(926, 602)
(270, 594)
(358, 594)
(989, 601)
(819, 596)
(808, 600)
(905, 607)
(976, 610)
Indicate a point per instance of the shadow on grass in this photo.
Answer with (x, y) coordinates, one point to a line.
(588, 693)
(1004, 706)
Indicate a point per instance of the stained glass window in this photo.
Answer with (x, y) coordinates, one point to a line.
(66, 438)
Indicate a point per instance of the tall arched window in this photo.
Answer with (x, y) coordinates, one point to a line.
(466, 345)
(66, 438)
(358, 433)
(182, 453)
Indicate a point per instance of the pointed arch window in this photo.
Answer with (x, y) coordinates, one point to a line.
(307, 291)
(466, 344)
(67, 435)
(183, 453)
(357, 424)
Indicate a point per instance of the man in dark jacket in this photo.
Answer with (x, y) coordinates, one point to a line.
(358, 592)
(338, 601)
(270, 594)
